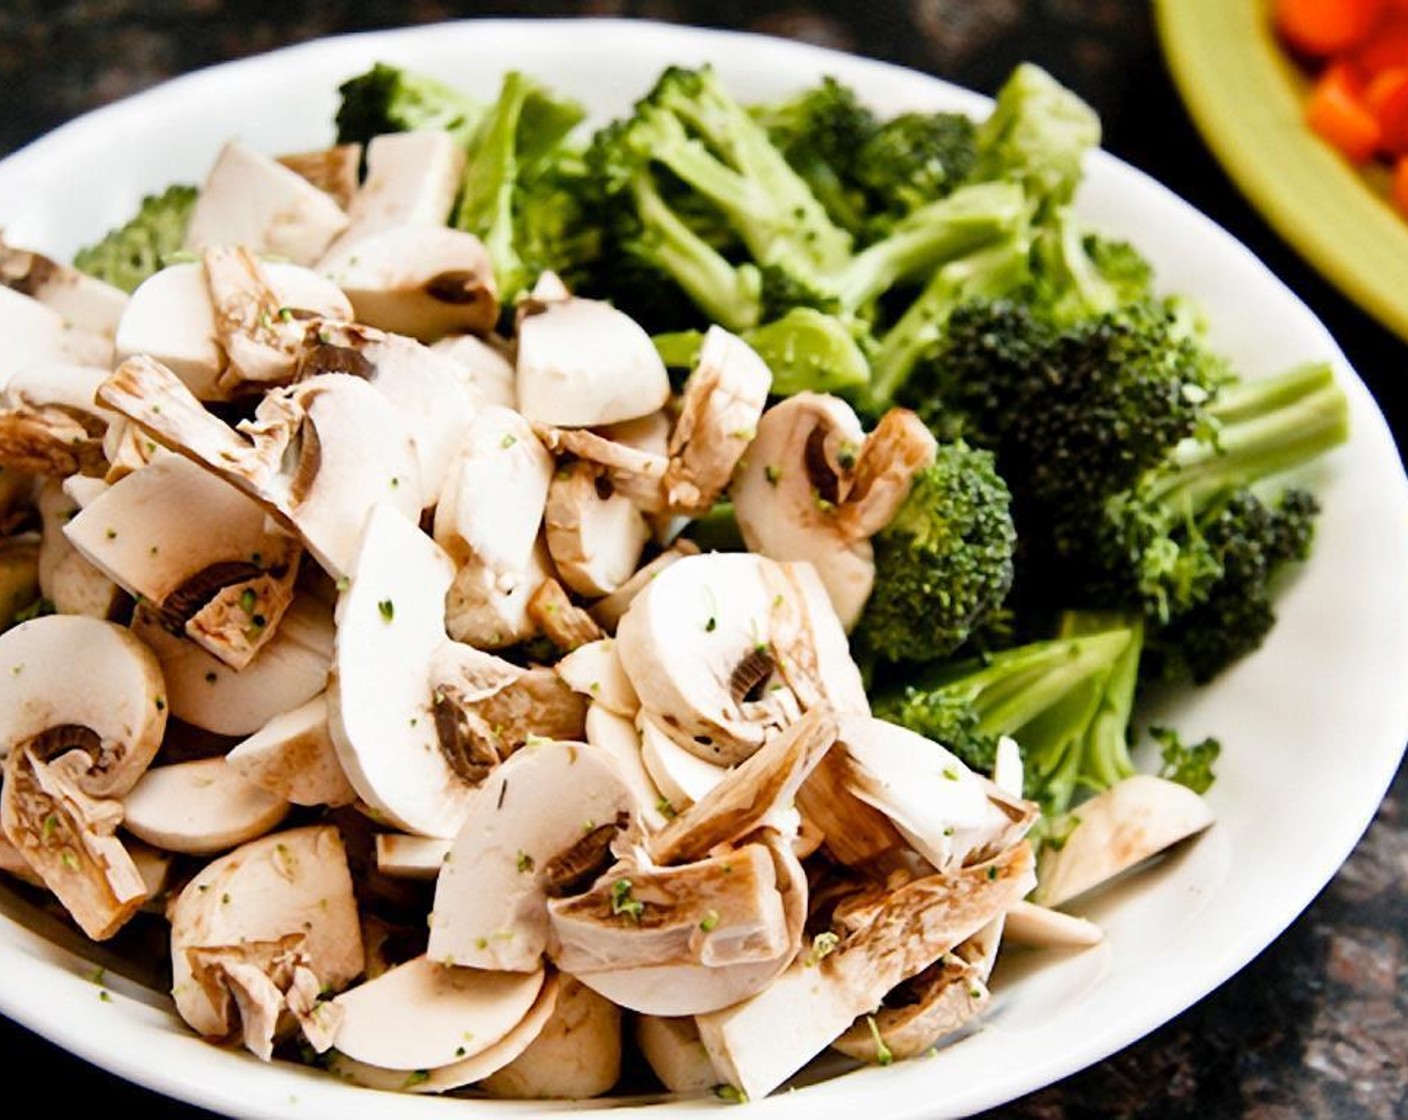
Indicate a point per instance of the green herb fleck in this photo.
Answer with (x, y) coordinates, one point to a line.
(525, 861)
(623, 903)
(710, 921)
(772, 474)
(508, 441)
(883, 1054)
(823, 944)
(387, 609)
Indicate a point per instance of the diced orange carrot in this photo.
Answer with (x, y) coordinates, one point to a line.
(1400, 185)
(1387, 47)
(1337, 111)
(1387, 98)
(1326, 27)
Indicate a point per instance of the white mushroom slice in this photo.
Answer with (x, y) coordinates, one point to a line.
(577, 1055)
(561, 621)
(594, 534)
(261, 339)
(980, 950)
(410, 857)
(12, 862)
(425, 1014)
(718, 911)
(855, 833)
(332, 170)
(425, 281)
(622, 459)
(67, 837)
(798, 468)
(548, 808)
(199, 808)
(83, 490)
(81, 300)
(758, 1043)
(675, 1053)
(608, 611)
(127, 448)
(940, 1001)
(412, 179)
(952, 815)
(197, 548)
(1116, 830)
(154, 866)
(1043, 928)
(463, 1071)
(900, 446)
(490, 611)
(252, 200)
(582, 363)
(293, 757)
(594, 670)
(683, 777)
(290, 884)
(617, 736)
(486, 369)
(49, 424)
(323, 452)
(66, 578)
(170, 319)
(202, 690)
(32, 332)
(722, 403)
(749, 794)
(725, 647)
(116, 718)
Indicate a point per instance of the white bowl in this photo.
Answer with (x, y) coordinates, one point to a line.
(1313, 725)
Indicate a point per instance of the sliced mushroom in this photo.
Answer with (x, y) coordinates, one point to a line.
(717, 911)
(170, 319)
(199, 808)
(950, 814)
(900, 446)
(319, 456)
(49, 424)
(282, 903)
(490, 611)
(13, 863)
(464, 1071)
(202, 690)
(1043, 928)
(594, 670)
(82, 301)
(758, 1043)
(855, 833)
(929, 1007)
(412, 179)
(561, 621)
(252, 200)
(577, 1055)
(543, 817)
(483, 366)
(425, 1014)
(293, 757)
(675, 1053)
(726, 647)
(683, 778)
(425, 281)
(617, 736)
(66, 578)
(633, 470)
(197, 549)
(332, 170)
(582, 363)
(1116, 830)
(410, 857)
(608, 611)
(32, 332)
(722, 403)
(594, 534)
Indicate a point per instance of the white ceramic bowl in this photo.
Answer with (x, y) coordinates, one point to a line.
(1313, 725)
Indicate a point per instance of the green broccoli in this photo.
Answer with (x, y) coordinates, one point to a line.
(943, 563)
(392, 99)
(1189, 766)
(911, 160)
(137, 249)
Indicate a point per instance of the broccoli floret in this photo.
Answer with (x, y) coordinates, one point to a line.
(391, 99)
(914, 159)
(1066, 700)
(1188, 765)
(523, 128)
(135, 250)
(1077, 274)
(943, 562)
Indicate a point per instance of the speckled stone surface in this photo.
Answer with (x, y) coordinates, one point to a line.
(1317, 1026)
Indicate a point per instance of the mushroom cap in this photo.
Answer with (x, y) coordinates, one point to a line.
(199, 808)
(618, 737)
(170, 318)
(485, 368)
(424, 1014)
(582, 363)
(390, 624)
(291, 882)
(32, 332)
(784, 495)
(412, 179)
(202, 690)
(491, 898)
(577, 1055)
(68, 671)
(425, 281)
(293, 757)
(608, 611)
(595, 534)
(250, 199)
(683, 778)
(595, 670)
(1116, 830)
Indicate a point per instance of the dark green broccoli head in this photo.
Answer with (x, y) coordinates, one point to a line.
(391, 99)
(132, 252)
(826, 121)
(914, 159)
(944, 716)
(944, 562)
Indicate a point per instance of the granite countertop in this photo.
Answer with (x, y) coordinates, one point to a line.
(1317, 1026)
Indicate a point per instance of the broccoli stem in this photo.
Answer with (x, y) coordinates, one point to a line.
(486, 202)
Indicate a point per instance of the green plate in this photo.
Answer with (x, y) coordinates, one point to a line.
(1247, 97)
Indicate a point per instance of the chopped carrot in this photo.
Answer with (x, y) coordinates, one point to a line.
(1326, 27)
(1387, 47)
(1387, 98)
(1338, 112)
(1400, 185)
